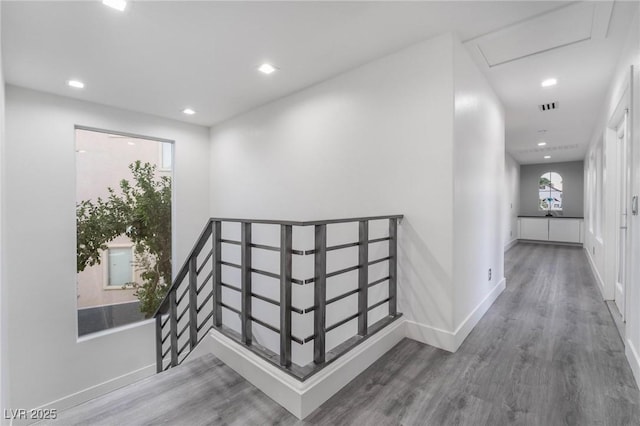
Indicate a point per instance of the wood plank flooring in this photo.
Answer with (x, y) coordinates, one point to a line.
(547, 353)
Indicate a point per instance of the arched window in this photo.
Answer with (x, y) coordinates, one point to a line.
(550, 192)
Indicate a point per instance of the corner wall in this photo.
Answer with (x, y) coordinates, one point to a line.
(48, 365)
(380, 140)
(478, 196)
(376, 140)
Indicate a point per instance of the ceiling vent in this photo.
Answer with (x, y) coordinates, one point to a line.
(549, 106)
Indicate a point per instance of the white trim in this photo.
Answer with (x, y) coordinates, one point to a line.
(302, 398)
(510, 244)
(596, 274)
(634, 359)
(476, 315)
(429, 335)
(95, 391)
(451, 341)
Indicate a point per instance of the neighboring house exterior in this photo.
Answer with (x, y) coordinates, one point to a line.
(102, 162)
(550, 197)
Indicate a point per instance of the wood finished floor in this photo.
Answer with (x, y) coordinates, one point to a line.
(547, 353)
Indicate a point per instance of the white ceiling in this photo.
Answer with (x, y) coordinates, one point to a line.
(159, 57)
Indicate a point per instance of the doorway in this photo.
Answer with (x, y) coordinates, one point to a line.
(622, 199)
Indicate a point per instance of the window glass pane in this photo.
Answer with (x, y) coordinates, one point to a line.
(120, 266)
(166, 155)
(550, 192)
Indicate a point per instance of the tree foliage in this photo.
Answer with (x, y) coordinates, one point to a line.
(544, 182)
(142, 212)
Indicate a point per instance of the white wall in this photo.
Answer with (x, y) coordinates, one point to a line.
(3, 300)
(512, 190)
(376, 140)
(599, 218)
(379, 140)
(48, 365)
(479, 198)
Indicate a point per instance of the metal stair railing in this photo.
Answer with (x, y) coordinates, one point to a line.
(194, 302)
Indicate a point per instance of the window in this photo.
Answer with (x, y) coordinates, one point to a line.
(166, 156)
(119, 266)
(123, 227)
(550, 192)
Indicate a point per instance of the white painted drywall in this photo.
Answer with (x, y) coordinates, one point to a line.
(512, 204)
(373, 141)
(48, 365)
(479, 196)
(379, 140)
(600, 246)
(3, 300)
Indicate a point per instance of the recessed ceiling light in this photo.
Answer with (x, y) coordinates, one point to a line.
(131, 143)
(549, 82)
(75, 83)
(542, 143)
(266, 68)
(188, 111)
(546, 157)
(120, 5)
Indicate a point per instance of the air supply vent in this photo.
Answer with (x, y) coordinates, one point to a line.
(549, 106)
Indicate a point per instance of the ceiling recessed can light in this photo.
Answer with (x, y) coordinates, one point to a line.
(188, 111)
(76, 83)
(120, 5)
(546, 157)
(549, 82)
(266, 68)
(542, 143)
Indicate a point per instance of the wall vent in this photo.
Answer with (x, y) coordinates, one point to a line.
(548, 106)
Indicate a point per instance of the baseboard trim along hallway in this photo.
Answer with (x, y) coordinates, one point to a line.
(302, 398)
(451, 341)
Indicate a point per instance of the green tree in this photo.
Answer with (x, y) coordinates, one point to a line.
(142, 212)
(544, 182)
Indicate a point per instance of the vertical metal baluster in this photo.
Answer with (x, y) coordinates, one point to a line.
(320, 293)
(393, 267)
(216, 236)
(286, 243)
(159, 343)
(193, 302)
(173, 324)
(363, 277)
(245, 317)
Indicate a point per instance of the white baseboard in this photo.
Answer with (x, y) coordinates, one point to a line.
(510, 244)
(476, 315)
(429, 335)
(94, 391)
(451, 341)
(301, 398)
(634, 360)
(596, 274)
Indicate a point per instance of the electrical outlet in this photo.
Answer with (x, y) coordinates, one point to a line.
(489, 274)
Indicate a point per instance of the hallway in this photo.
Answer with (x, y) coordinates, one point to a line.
(546, 353)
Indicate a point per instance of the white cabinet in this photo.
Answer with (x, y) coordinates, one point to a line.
(562, 230)
(532, 228)
(565, 230)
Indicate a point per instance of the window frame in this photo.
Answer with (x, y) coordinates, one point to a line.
(105, 261)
